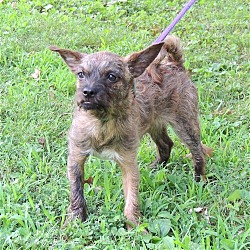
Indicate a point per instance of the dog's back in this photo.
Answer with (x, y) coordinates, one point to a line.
(165, 85)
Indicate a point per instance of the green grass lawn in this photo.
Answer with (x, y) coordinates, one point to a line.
(36, 114)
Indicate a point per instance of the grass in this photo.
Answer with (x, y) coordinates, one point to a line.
(36, 114)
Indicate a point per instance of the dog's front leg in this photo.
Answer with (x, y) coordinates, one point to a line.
(130, 178)
(75, 172)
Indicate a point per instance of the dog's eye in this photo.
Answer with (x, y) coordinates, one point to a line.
(112, 77)
(81, 75)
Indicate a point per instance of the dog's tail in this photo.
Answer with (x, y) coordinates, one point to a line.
(172, 50)
(170, 56)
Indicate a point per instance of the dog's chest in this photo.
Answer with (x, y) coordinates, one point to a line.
(103, 143)
(106, 154)
(104, 150)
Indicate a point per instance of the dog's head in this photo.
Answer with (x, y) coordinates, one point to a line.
(104, 79)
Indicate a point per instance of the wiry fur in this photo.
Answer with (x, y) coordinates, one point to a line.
(110, 118)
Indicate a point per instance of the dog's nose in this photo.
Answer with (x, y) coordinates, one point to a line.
(89, 92)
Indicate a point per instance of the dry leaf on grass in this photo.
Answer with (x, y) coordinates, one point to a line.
(51, 95)
(156, 30)
(36, 74)
(42, 141)
(197, 210)
(223, 111)
(89, 181)
(97, 189)
(189, 156)
(48, 7)
(200, 210)
(14, 5)
(207, 151)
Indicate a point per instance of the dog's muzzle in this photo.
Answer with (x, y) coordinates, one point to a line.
(91, 98)
(89, 93)
(88, 105)
(86, 99)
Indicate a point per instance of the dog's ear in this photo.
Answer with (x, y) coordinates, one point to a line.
(72, 58)
(139, 61)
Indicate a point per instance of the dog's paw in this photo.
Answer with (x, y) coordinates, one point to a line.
(198, 178)
(80, 214)
(157, 163)
(154, 164)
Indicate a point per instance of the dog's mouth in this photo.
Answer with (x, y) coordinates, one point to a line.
(89, 106)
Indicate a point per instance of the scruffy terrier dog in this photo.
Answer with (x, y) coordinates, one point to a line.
(120, 99)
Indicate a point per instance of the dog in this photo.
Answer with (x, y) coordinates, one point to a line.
(119, 99)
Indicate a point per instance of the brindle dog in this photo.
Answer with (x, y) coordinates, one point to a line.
(119, 99)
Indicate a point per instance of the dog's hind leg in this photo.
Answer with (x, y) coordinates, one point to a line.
(163, 142)
(188, 131)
